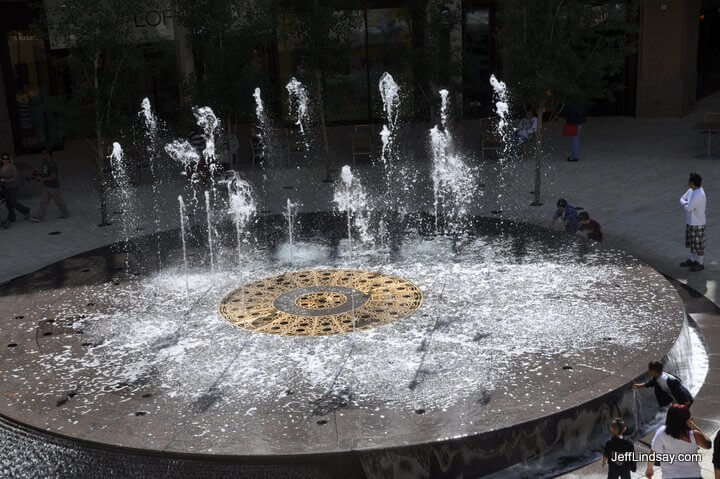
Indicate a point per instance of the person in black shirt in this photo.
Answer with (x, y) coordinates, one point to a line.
(51, 188)
(616, 450)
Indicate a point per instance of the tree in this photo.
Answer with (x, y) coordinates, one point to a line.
(230, 41)
(560, 52)
(103, 49)
(319, 32)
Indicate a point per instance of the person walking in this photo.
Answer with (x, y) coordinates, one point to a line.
(10, 184)
(679, 435)
(693, 202)
(51, 188)
(575, 117)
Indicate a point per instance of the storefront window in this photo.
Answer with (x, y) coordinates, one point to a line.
(390, 49)
(31, 83)
(477, 56)
(377, 40)
(709, 48)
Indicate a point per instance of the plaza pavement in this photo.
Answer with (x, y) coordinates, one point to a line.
(630, 177)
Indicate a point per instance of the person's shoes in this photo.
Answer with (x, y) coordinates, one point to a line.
(687, 263)
(697, 267)
(5, 224)
(572, 158)
(36, 219)
(64, 217)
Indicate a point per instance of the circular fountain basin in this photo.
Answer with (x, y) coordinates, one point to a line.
(521, 338)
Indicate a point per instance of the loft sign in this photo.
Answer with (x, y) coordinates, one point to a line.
(154, 18)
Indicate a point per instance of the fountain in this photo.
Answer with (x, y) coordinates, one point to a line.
(457, 352)
(453, 180)
(299, 105)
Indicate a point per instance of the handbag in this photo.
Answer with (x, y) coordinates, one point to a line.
(570, 130)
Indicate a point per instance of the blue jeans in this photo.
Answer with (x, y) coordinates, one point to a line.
(575, 144)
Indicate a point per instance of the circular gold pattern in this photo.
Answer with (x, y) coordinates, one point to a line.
(321, 302)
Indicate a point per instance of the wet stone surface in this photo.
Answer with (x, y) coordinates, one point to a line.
(515, 324)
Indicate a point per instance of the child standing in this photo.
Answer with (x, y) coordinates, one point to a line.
(616, 451)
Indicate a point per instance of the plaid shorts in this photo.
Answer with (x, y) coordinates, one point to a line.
(695, 239)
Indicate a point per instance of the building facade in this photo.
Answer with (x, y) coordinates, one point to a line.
(678, 62)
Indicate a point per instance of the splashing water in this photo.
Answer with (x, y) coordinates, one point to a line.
(350, 198)
(453, 182)
(241, 206)
(299, 107)
(502, 109)
(149, 117)
(120, 174)
(385, 137)
(289, 217)
(183, 236)
(208, 213)
(209, 123)
(444, 102)
(183, 152)
(262, 123)
(390, 95)
(151, 127)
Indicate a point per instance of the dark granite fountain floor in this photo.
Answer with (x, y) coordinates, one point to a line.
(54, 390)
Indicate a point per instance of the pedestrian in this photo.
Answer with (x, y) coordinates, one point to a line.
(574, 120)
(679, 435)
(590, 227)
(51, 188)
(10, 183)
(526, 128)
(668, 388)
(693, 201)
(618, 451)
(569, 216)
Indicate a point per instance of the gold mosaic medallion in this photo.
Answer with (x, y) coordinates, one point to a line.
(320, 302)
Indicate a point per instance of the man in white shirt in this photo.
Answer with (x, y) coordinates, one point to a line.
(693, 201)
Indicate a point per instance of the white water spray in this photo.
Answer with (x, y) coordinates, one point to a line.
(183, 235)
(120, 174)
(290, 220)
(209, 230)
(453, 182)
(241, 206)
(351, 199)
(502, 109)
(209, 123)
(298, 104)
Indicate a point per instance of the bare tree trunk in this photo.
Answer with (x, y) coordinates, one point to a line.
(100, 155)
(538, 159)
(323, 125)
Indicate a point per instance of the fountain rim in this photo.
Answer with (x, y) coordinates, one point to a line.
(76, 442)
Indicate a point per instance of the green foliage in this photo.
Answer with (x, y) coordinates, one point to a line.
(108, 66)
(557, 52)
(230, 42)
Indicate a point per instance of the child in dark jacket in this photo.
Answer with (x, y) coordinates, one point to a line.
(617, 453)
